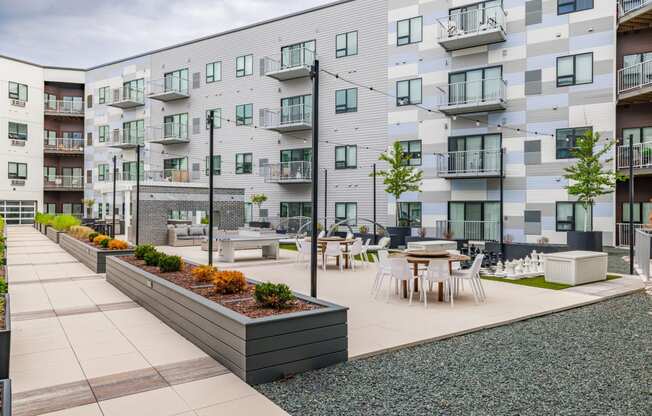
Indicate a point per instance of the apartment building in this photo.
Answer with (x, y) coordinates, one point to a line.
(514, 83)
(257, 80)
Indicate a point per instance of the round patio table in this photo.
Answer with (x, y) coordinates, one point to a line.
(321, 242)
(417, 258)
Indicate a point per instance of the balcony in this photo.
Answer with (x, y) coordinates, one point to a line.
(642, 157)
(150, 176)
(64, 108)
(63, 145)
(635, 83)
(168, 89)
(169, 133)
(474, 97)
(622, 233)
(126, 139)
(634, 15)
(127, 98)
(469, 164)
(287, 172)
(467, 230)
(63, 183)
(472, 28)
(295, 63)
(286, 119)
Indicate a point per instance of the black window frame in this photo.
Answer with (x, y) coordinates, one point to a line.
(411, 153)
(563, 3)
(346, 42)
(624, 206)
(244, 167)
(103, 138)
(346, 108)
(241, 73)
(212, 78)
(217, 118)
(560, 151)
(102, 95)
(244, 120)
(304, 207)
(347, 205)
(17, 135)
(399, 102)
(409, 222)
(17, 168)
(572, 221)
(339, 164)
(217, 165)
(574, 76)
(16, 96)
(409, 35)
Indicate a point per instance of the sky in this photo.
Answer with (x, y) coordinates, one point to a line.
(84, 33)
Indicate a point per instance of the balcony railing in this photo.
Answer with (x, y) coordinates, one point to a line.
(289, 118)
(60, 182)
(642, 156)
(293, 63)
(635, 77)
(127, 138)
(472, 28)
(474, 96)
(629, 6)
(287, 172)
(127, 97)
(469, 164)
(169, 133)
(65, 108)
(169, 88)
(622, 233)
(467, 230)
(63, 145)
(155, 176)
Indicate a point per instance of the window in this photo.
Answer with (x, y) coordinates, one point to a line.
(408, 92)
(177, 80)
(296, 155)
(17, 170)
(50, 101)
(412, 149)
(102, 133)
(50, 208)
(217, 118)
(346, 44)
(102, 95)
(176, 169)
(346, 211)
(573, 216)
(72, 208)
(346, 157)
(213, 72)
(130, 170)
(478, 85)
(638, 134)
(346, 101)
(50, 137)
(296, 209)
(244, 114)
(17, 91)
(17, 131)
(474, 220)
(243, 163)
(570, 6)
(476, 153)
(175, 126)
(575, 69)
(409, 31)
(566, 140)
(244, 65)
(248, 212)
(103, 172)
(642, 212)
(636, 58)
(296, 109)
(298, 54)
(217, 165)
(135, 89)
(409, 214)
(133, 132)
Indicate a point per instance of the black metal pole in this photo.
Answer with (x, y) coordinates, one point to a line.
(631, 204)
(115, 174)
(315, 177)
(325, 199)
(502, 218)
(137, 193)
(210, 187)
(374, 188)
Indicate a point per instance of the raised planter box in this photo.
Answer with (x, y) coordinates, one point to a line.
(584, 240)
(575, 267)
(256, 350)
(514, 251)
(5, 341)
(92, 257)
(53, 234)
(5, 409)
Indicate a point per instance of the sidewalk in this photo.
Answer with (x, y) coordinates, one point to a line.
(82, 348)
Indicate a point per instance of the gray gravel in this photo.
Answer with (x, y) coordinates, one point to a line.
(594, 360)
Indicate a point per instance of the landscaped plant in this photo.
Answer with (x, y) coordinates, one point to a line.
(142, 249)
(591, 177)
(204, 220)
(400, 177)
(363, 229)
(104, 243)
(3, 285)
(229, 281)
(543, 240)
(203, 273)
(118, 245)
(63, 222)
(151, 258)
(80, 231)
(168, 264)
(47, 219)
(273, 295)
(91, 236)
(101, 237)
(258, 200)
(88, 203)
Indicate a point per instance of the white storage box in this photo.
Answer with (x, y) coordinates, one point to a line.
(432, 246)
(575, 267)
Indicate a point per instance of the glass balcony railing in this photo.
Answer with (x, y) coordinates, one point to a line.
(287, 172)
(469, 163)
(289, 118)
(63, 107)
(63, 145)
(291, 63)
(477, 27)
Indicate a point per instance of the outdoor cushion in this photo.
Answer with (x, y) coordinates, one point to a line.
(181, 231)
(196, 231)
(185, 237)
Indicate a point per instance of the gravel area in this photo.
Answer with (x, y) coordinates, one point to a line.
(595, 360)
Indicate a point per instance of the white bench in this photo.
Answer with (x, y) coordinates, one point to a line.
(226, 246)
(432, 246)
(575, 267)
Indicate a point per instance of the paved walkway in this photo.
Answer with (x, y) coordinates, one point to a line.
(82, 348)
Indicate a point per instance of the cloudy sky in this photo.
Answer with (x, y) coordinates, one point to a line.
(83, 33)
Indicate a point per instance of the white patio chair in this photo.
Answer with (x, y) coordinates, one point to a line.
(384, 270)
(305, 252)
(473, 276)
(354, 250)
(400, 272)
(365, 251)
(383, 243)
(437, 272)
(321, 234)
(349, 235)
(333, 250)
(456, 266)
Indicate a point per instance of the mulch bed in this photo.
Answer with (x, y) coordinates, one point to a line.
(243, 303)
(88, 243)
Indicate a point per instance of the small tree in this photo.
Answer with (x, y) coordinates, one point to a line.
(89, 204)
(258, 200)
(589, 178)
(400, 177)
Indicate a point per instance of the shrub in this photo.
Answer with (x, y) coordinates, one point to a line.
(64, 222)
(47, 219)
(152, 257)
(272, 295)
(168, 264)
(81, 232)
(143, 249)
(204, 273)
(105, 242)
(99, 238)
(3, 285)
(229, 281)
(91, 236)
(118, 245)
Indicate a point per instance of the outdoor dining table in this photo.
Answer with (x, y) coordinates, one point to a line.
(417, 258)
(345, 243)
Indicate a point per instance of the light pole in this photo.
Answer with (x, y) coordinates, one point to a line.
(314, 74)
(115, 173)
(631, 204)
(374, 204)
(137, 192)
(325, 199)
(211, 122)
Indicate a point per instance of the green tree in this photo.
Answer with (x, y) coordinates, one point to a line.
(590, 177)
(400, 177)
(258, 200)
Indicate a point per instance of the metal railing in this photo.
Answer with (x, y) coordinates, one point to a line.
(64, 107)
(475, 92)
(622, 233)
(128, 94)
(642, 155)
(469, 163)
(628, 6)
(170, 84)
(168, 131)
(289, 59)
(286, 116)
(63, 144)
(471, 22)
(127, 137)
(299, 171)
(642, 242)
(63, 182)
(166, 175)
(635, 76)
(467, 230)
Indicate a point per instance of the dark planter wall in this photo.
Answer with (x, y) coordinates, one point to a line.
(398, 234)
(584, 240)
(6, 398)
(93, 258)
(5, 341)
(520, 250)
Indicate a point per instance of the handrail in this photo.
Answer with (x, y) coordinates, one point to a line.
(642, 242)
(287, 171)
(294, 58)
(124, 136)
(61, 181)
(475, 92)
(64, 107)
(467, 230)
(642, 155)
(628, 6)
(63, 143)
(165, 175)
(635, 76)
(466, 162)
(471, 22)
(172, 83)
(291, 114)
(130, 93)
